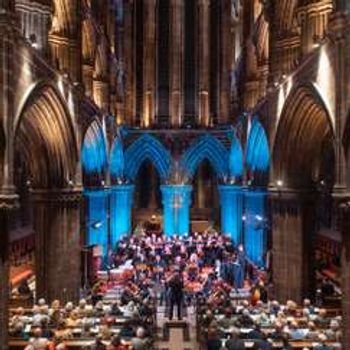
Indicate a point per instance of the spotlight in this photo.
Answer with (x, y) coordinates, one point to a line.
(279, 183)
(259, 217)
(244, 218)
(102, 183)
(96, 225)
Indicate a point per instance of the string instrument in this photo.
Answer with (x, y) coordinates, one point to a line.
(255, 296)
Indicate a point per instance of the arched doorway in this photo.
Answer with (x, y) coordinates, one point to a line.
(303, 173)
(46, 158)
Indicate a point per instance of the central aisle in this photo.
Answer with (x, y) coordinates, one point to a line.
(176, 335)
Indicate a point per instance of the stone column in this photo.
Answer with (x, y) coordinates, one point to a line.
(255, 225)
(129, 60)
(149, 62)
(293, 234)
(58, 244)
(65, 39)
(176, 210)
(97, 218)
(7, 206)
(88, 73)
(120, 211)
(226, 61)
(101, 93)
(176, 62)
(344, 220)
(231, 202)
(203, 61)
(313, 18)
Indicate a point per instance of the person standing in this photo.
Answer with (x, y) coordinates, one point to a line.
(176, 286)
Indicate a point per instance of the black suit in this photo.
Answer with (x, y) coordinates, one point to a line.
(176, 286)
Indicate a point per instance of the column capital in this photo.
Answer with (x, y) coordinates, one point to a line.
(9, 201)
(65, 195)
(123, 188)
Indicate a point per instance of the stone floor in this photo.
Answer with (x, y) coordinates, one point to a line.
(176, 335)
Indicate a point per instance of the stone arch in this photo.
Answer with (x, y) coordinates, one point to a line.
(304, 139)
(44, 126)
(94, 152)
(257, 154)
(147, 147)
(208, 147)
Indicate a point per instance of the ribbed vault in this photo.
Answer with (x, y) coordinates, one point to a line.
(304, 140)
(45, 140)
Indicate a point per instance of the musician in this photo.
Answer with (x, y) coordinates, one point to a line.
(176, 286)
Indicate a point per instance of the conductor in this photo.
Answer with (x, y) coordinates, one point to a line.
(176, 286)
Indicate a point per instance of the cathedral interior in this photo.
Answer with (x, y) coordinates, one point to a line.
(122, 117)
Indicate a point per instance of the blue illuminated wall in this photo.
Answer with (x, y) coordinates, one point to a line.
(255, 225)
(176, 209)
(236, 159)
(206, 147)
(257, 152)
(120, 211)
(97, 222)
(147, 147)
(94, 150)
(117, 162)
(231, 202)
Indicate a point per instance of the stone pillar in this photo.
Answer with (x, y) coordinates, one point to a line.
(129, 60)
(338, 29)
(176, 62)
(293, 234)
(97, 218)
(7, 206)
(88, 72)
(255, 225)
(121, 200)
(101, 94)
(226, 61)
(344, 216)
(231, 202)
(58, 244)
(313, 18)
(176, 211)
(203, 61)
(149, 62)
(65, 39)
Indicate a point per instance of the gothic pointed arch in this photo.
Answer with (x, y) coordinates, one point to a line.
(257, 154)
(116, 160)
(304, 141)
(210, 148)
(94, 154)
(147, 147)
(44, 137)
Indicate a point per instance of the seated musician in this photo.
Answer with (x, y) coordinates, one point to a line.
(192, 268)
(158, 268)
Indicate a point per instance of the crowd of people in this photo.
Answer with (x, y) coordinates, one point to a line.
(203, 270)
(118, 324)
